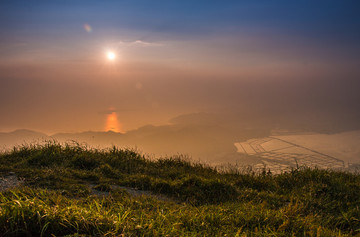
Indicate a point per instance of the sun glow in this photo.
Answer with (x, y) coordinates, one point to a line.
(112, 123)
(111, 56)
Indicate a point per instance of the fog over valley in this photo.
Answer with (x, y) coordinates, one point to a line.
(221, 140)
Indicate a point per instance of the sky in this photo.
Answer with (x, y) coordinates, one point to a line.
(260, 58)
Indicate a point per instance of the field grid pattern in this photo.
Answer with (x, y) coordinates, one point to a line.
(278, 155)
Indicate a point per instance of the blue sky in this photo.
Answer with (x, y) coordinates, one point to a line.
(333, 25)
(311, 19)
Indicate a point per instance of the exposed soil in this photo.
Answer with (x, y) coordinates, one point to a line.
(9, 180)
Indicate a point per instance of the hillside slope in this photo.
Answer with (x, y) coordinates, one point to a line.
(69, 190)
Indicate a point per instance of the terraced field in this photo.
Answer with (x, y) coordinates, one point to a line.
(278, 155)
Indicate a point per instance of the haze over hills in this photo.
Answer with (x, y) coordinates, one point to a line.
(205, 137)
(19, 137)
(201, 136)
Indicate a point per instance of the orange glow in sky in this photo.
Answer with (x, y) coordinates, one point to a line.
(112, 123)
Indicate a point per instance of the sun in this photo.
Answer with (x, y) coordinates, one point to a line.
(111, 56)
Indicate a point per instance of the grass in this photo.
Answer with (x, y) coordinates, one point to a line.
(58, 197)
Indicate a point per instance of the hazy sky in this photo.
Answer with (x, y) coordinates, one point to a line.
(172, 58)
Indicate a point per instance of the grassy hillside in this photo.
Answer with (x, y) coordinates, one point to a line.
(72, 190)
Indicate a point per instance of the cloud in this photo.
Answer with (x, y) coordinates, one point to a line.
(140, 43)
(108, 111)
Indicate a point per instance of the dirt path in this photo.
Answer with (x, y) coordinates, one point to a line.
(9, 180)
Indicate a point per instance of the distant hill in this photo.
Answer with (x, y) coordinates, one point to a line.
(95, 139)
(21, 136)
(207, 137)
(203, 142)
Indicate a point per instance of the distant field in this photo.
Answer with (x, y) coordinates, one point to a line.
(279, 153)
